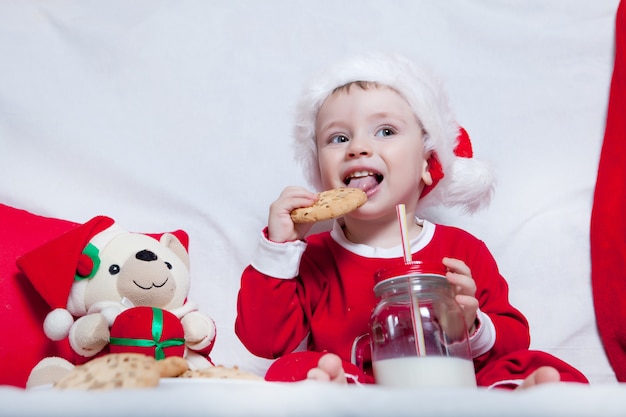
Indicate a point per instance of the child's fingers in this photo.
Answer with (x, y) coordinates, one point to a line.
(462, 284)
(457, 266)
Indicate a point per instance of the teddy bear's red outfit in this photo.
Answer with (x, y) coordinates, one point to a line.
(329, 302)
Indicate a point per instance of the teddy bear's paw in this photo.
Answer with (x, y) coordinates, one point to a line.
(197, 361)
(89, 334)
(199, 330)
(48, 371)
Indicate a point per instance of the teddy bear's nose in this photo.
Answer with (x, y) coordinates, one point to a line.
(146, 255)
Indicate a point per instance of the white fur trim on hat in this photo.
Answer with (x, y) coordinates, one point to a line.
(467, 182)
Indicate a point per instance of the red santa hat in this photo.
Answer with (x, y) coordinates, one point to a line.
(55, 266)
(458, 178)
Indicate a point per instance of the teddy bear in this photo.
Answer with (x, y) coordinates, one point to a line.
(111, 290)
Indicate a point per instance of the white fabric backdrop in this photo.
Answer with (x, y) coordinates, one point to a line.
(177, 114)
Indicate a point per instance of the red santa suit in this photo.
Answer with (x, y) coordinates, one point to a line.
(318, 295)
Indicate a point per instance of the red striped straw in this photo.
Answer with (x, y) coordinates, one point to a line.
(418, 329)
(406, 246)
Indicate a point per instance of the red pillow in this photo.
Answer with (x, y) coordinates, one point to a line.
(22, 309)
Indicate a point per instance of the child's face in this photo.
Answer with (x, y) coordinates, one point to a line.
(370, 139)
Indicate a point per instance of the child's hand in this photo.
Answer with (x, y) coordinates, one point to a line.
(460, 277)
(280, 227)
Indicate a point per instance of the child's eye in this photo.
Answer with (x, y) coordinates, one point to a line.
(385, 131)
(339, 139)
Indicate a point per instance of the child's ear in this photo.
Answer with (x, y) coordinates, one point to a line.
(427, 177)
(432, 172)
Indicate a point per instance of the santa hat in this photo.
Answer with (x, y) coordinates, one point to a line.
(55, 266)
(458, 178)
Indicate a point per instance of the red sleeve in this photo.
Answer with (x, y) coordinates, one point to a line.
(271, 319)
(512, 330)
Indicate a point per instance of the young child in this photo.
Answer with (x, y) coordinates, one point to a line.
(381, 124)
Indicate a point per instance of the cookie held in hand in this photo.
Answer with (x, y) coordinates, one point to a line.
(331, 204)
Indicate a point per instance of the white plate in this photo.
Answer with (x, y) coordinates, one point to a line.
(200, 380)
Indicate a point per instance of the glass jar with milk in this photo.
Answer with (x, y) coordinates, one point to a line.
(418, 334)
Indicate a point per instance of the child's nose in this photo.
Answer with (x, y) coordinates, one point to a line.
(359, 147)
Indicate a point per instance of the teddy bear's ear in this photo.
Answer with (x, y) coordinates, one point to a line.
(172, 242)
(183, 237)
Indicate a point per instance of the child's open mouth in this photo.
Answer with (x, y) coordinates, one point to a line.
(365, 180)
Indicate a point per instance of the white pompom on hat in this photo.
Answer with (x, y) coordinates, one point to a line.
(459, 180)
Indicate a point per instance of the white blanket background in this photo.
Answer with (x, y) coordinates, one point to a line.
(178, 114)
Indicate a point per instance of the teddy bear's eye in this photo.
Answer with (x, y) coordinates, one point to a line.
(114, 269)
(169, 265)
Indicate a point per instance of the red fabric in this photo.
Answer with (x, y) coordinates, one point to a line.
(463, 149)
(52, 266)
(22, 309)
(180, 234)
(513, 367)
(608, 216)
(295, 366)
(519, 364)
(138, 323)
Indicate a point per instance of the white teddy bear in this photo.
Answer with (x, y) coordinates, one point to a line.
(115, 271)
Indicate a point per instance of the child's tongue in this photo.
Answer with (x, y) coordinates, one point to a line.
(364, 183)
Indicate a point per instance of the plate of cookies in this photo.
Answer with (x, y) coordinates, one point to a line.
(135, 370)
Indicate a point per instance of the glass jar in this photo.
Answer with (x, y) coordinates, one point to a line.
(418, 334)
